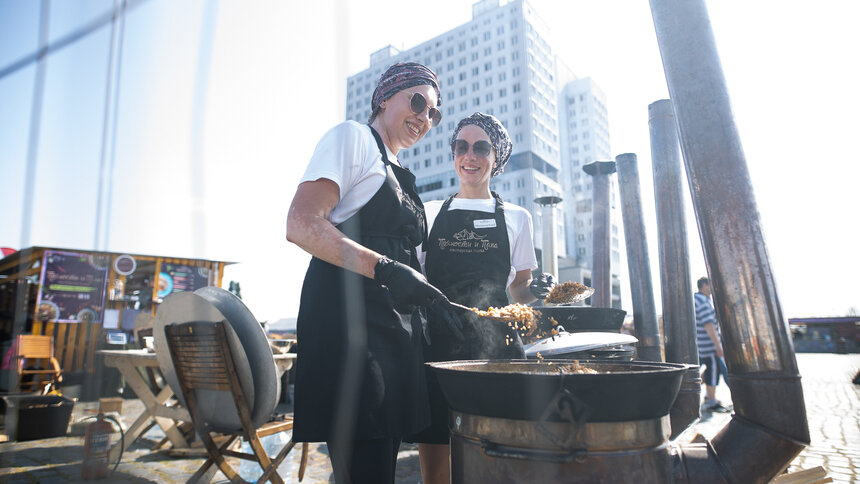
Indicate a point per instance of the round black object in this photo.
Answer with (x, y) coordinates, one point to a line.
(525, 390)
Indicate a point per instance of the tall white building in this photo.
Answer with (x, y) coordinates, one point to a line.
(501, 63)
(584, 128)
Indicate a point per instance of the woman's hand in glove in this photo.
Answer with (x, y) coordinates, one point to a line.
(444, 319)
(405, 284)
(541, 285)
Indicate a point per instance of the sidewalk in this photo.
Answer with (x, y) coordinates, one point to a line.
(832, 405)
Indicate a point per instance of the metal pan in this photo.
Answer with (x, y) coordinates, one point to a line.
(582, 318)
(528, 390)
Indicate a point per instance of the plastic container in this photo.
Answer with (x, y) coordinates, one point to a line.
(33, 417)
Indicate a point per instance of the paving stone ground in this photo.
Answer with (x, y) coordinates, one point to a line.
(832, 405)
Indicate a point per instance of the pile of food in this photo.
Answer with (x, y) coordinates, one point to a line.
(566, 293)
(576, 369)
(519, 317)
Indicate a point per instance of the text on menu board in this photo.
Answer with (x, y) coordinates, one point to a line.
(181, 277)
(73, 287)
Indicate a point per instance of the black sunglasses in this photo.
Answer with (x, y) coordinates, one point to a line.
(418, 103)
(480, 148)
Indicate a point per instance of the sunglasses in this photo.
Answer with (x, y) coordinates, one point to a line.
(480, 148)
(418, 103)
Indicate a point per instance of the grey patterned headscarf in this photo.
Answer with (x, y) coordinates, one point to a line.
(398, 77)
(499, 137)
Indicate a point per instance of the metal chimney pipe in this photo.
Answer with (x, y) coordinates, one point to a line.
(770, 427)
(549, 254)
(638, 263)
(601, 276)
(679, 317)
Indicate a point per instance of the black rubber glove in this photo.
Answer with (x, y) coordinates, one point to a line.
(541, 285)
(405, 284)
(442, 318)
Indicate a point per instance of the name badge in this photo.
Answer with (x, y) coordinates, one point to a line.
(486, 223)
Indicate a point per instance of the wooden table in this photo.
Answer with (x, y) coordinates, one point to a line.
(166, 413)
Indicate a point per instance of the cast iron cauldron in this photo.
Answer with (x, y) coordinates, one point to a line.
(531, 390)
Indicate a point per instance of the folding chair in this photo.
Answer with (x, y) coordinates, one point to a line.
(203, 361)
(34, 347)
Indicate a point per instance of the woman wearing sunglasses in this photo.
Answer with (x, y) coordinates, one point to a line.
(477, 248)
(359, 376)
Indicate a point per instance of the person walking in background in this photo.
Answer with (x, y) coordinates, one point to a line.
(710, 347)
(357, 212)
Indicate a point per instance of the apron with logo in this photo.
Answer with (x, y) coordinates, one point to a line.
(469, 259)
(392, 395)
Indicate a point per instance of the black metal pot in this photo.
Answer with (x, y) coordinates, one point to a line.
(530, 390)
(582, 318)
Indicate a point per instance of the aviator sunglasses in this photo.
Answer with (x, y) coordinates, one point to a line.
(418, 103)
(480, 148)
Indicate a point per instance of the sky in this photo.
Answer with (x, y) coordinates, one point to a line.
(209, 149)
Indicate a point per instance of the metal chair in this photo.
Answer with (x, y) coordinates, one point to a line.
(37, 347)
(203, 361)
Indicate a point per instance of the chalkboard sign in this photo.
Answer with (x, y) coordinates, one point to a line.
(181, 278)
(73, 287)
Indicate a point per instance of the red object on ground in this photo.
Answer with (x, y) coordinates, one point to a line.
(96, 449)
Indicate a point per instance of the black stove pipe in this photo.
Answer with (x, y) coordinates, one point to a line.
(769, 428)
(649, 348)
(679, 317)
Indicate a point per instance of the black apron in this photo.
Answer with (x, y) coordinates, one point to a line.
(469, 259)
(392, 399)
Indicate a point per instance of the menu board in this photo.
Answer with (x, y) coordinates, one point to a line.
(73, 287)
(181, 277)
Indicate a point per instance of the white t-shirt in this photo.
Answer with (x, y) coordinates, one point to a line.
(347, 155)
(517, 219)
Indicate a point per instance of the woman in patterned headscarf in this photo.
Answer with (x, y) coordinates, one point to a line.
(478, 247)
(359, 377)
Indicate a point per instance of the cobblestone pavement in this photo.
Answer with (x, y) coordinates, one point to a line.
(832, 405)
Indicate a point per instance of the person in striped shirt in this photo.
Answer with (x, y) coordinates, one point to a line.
(710, 347)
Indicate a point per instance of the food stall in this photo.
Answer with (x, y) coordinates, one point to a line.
(89, 299)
